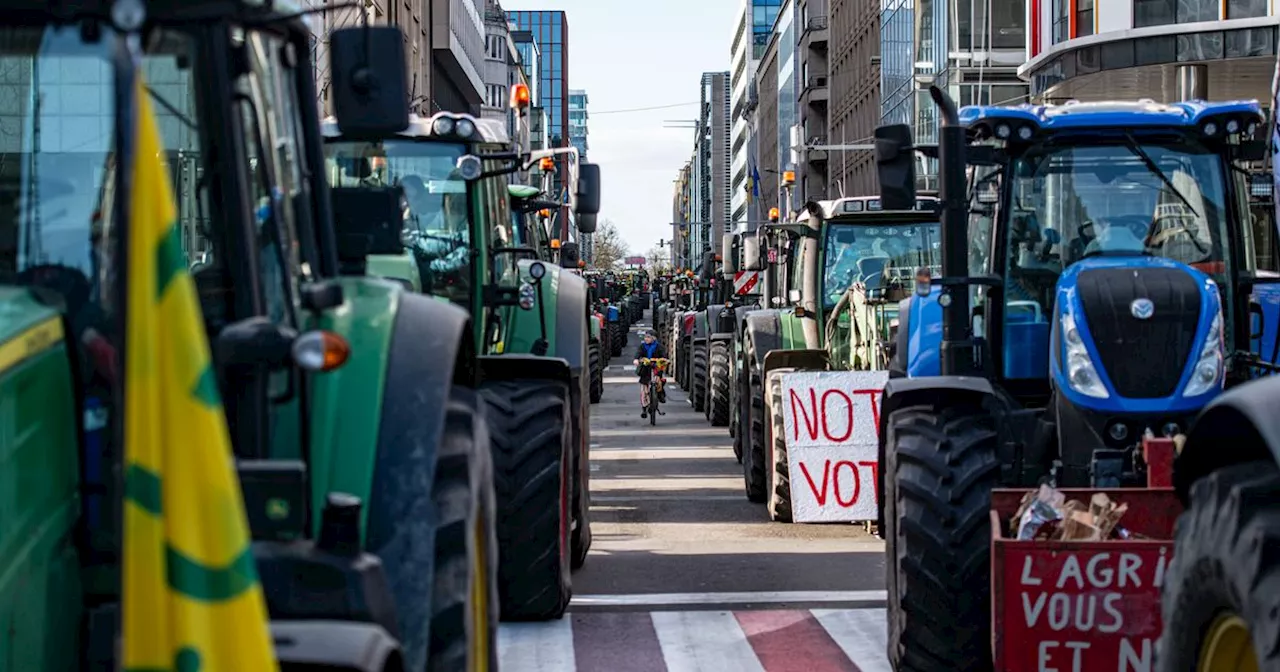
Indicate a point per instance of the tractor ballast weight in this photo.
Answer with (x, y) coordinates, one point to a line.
(1062, 370)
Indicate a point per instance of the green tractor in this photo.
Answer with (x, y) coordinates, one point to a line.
(319, 374)
(528, 333)
(845, 265)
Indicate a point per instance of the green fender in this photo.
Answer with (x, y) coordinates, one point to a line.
(346, 404)
(791, 331)
(563, 304)
(41, 603)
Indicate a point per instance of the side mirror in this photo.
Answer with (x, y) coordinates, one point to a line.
(751, 259)
(569, 255)
(586, 223)
(1252, 150)
(896, 165)
(368, 221)
(370, 93)
(727, 248)
(589, 189)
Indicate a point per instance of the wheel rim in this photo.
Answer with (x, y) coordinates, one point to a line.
(480, 600)
(1228, 646)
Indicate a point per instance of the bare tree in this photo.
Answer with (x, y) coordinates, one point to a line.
(610, 248)
(657, 260)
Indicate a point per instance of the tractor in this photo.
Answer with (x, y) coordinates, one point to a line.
(313, 396)
(1097, 289)
(528, 329)
(846, 265)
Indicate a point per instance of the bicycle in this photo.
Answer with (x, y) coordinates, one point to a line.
(659, 365)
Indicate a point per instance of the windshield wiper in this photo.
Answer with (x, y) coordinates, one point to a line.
(1155, 170)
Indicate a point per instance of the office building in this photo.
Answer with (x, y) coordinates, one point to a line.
(444, 43)
(681, 216)
(578, 121)
(1165, 50)
(750, 37)
(764, 123)
(551, 31)
(971, 49)
(709, 168)
(531, 65)
(855, 94)
(814, 85)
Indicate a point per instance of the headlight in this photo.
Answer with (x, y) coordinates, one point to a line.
(1082, 375)
(1207, 374)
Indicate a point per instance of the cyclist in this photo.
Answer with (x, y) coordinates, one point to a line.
(649, 348)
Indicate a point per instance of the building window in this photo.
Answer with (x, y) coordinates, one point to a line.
(1166, 12)
(1061, 30)
(1246, 9)
(1084, 17)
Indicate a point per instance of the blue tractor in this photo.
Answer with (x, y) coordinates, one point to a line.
(1097, 282)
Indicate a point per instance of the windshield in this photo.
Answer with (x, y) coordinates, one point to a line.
(877, 256)
(1071, 202)
(437, 225)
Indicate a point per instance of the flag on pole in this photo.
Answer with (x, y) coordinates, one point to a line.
(755, 182)
(191, 597)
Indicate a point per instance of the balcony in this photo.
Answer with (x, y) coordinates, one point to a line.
(815, 91)
(815, 33)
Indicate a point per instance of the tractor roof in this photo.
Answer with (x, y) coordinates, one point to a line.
(1118, 114)
(490, 131)
(859, 204)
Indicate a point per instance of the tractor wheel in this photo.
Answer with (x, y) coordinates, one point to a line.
(699, 375)
(940, 467)
(1218, 613)
(778, 470)
(580, 532)
(619, 339)
(532, 438)
(718, 381)
(597, 372)
(464, 599)
(754, 454)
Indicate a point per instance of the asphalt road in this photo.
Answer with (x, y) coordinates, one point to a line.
(673, 527)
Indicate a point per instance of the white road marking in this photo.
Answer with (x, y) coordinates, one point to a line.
(677, 599)
(536, 647)
(665, 498)
(708, 640)
(861, 633)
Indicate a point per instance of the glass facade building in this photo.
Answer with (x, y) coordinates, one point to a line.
(578, 121)
(764, 13)
(788, 94)
(551, 31)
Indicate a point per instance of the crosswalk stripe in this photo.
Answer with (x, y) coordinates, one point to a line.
(536, 647)
(780, 640)
(860, 633)
(694, 641)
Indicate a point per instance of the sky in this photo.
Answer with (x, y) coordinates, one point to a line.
(631, 54)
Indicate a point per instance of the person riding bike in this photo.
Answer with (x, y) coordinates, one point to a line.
(649, 348)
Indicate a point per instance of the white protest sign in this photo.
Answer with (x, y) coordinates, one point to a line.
(832, 420)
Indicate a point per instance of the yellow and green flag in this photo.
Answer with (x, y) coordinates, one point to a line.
(191, 600)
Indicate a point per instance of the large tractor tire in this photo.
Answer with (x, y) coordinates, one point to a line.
(532, 438)
(698, 396)
(1219, 604)
(464, 598)
(778, 470)
(404, 530)
(580, 506)
(617, 338)
(754, 454)
(719, 379)
(597, 372)
(940, 467)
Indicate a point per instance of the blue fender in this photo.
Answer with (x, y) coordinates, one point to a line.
(612, 313)
(1268, 299)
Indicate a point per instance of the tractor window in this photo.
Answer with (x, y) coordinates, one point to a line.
(1071, 202)
(877, 256)
(437, 220)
